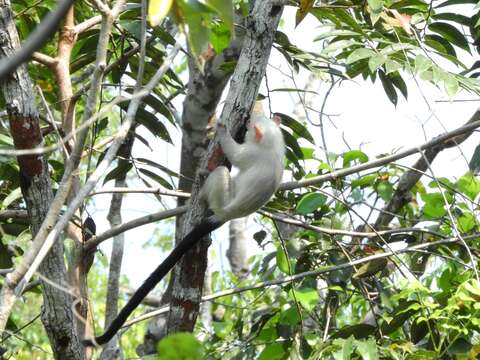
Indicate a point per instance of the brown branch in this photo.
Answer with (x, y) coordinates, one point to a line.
(161, 215)
(146, 190)
(13, 214)
(67, 39)
(332, 232)
(87, 24)
(44, 59)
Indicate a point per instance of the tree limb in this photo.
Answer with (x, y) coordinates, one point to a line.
(36, 40)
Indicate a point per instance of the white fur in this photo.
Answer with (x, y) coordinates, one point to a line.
(260, 169)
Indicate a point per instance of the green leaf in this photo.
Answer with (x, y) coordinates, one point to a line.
(419, 329)
(282, 261)
(273, 351)
(410, 4)
(422, 64)
(399, 83)
(466, 222)
(375, 5)
(385, 190)
(158, 105)
(352, 155)
(11, 197)
(451, 85)
(220, 38)
(292, 143)
(434, 205)
(310, 202)
(222, 329)
(290, 316)
(157, 10)
(347, 349)
(474, 164)
(440, 44)
(367, 349)
(224, 9)
(376, 61)
(302, 11)
(461, 19)
(388, 87)
(196, 16)
(297, 127)
(404, 311)
(364, 181)
(359, 54)
(469, 185)
(152, 123)
(158, 166)
(180, 346)
(119, 172)
(359, 331)
(338, 45)
(460, 346)
(455, 2)
(451, 34)
(307, 297)
(157, 178)
(392, 66)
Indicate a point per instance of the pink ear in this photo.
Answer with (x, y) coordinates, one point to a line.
(277, 119)
(258, 133)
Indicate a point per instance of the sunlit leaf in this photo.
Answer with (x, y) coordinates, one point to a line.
(180, 346)
(302, 11)
(158, 10)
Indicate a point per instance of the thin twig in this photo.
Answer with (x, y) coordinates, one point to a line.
(300, 276)
(98, 173)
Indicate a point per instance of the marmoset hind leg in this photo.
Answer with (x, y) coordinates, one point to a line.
(217, 190)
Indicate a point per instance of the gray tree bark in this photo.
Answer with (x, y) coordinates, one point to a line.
(112, 350)
(237, 251)
(57, 315)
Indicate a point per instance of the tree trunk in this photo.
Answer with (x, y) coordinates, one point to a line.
(57, 316)
(237, 251)
(188, 275)
(204, 91)
(112, 350)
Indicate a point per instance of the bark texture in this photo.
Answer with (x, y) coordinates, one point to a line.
(237, 251)
(188, 275)
(112, 350)
(57, 316)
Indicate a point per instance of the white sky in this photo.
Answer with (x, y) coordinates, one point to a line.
(365, 116)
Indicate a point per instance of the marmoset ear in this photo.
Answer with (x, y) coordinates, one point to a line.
(277, 119)
(258, 133)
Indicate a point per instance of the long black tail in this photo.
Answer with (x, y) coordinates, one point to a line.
(202, 229)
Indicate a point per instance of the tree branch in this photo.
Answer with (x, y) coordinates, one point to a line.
(443, 141)
(300, 276)
(44, 239)
(36, 39)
